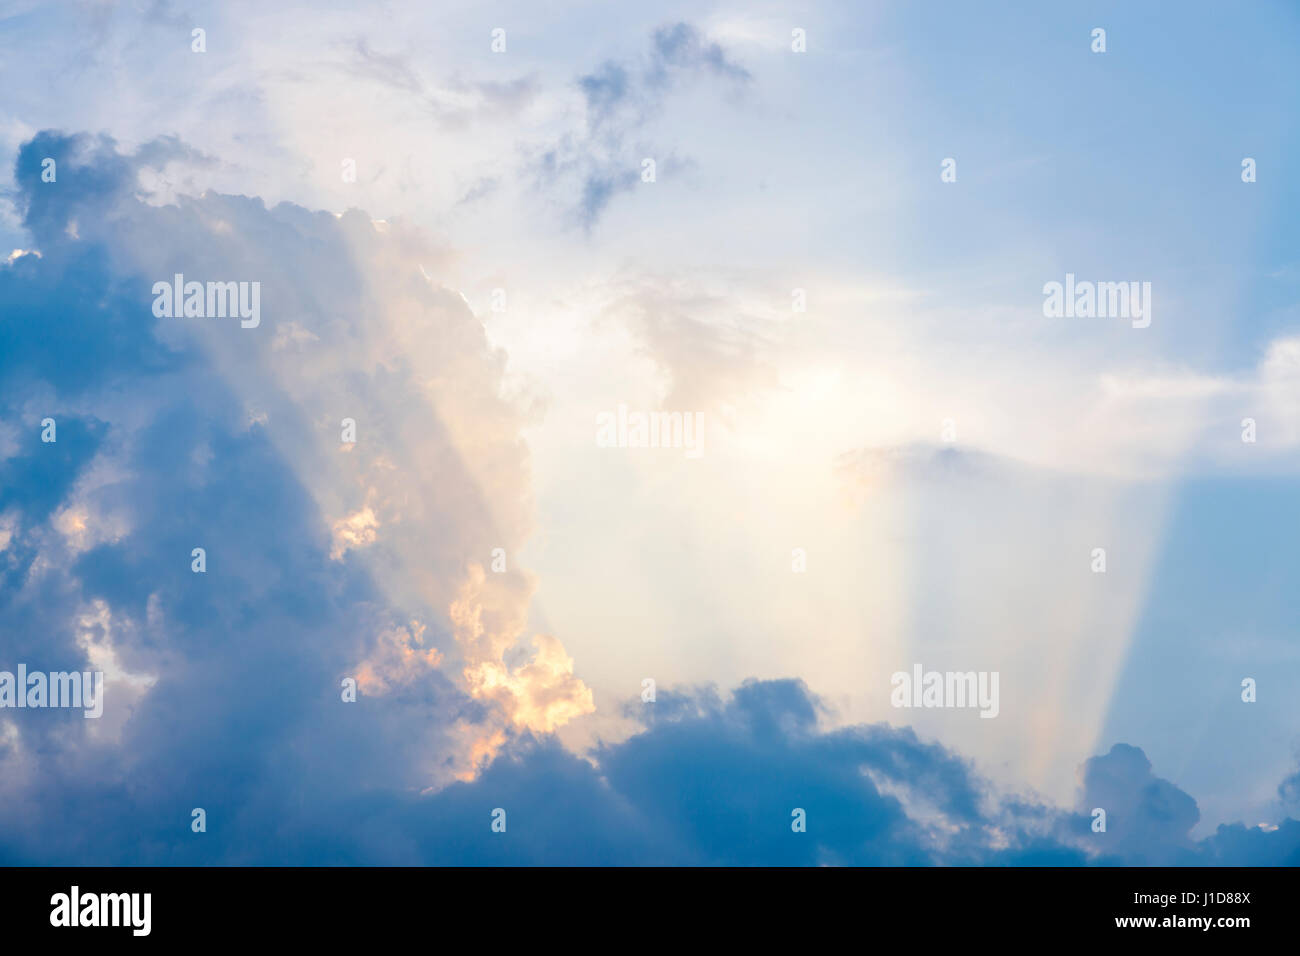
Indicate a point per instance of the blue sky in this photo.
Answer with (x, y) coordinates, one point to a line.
(497, 274)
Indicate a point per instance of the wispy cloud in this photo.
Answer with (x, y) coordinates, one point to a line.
(620, 99)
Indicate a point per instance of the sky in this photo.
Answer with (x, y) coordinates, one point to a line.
(821, 234)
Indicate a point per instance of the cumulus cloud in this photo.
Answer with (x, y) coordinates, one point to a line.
(180, 434)
(1147, 818)
(716, 780)
(713, 780)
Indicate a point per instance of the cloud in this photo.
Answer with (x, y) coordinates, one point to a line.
(178, 434)
(483, 187)
(455, 103)
(606, 90)
(1147, 818)
(619, 100)
(389, 70)
(709, 352)
(714, 781)
(680, 46)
